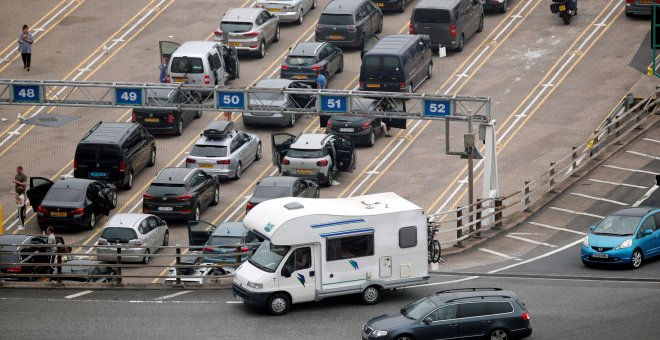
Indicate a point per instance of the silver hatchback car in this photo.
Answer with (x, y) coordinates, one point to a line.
(249, 30)
(144, 230)
(224, 151)
(288, 10)
(317, 156)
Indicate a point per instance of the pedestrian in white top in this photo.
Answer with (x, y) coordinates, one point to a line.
(20, 204)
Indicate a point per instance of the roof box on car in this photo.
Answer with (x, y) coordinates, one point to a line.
(218, 129)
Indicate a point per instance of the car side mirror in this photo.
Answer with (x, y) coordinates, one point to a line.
(475, 2)
(286, 272)
(427, 320)
(592, 228)
(648, 232)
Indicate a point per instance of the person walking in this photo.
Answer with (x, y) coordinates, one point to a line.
(163, 69)
(321, 81)
(25, 41)
(227, 115)
(50, 232)
(20, 203)
(20, 179)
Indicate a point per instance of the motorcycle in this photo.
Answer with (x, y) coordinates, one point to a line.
(564, 9)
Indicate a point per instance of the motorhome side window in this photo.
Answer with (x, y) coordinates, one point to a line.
(301, 258)
(407, 237)
(348, 247)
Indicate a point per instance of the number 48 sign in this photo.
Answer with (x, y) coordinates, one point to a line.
(26, 93)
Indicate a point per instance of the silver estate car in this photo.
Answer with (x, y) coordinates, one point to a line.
(249, 30)
(288, 10)
(270, 104)
(143, 230)
(223, 151)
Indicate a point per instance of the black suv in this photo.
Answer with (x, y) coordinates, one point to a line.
(181, 193)
(114, 152)
(349, 23)
(468, 313)
(167, 121)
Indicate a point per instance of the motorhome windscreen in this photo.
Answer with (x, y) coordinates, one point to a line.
(268, 256)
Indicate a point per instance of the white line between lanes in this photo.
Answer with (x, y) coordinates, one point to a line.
(530, 241)
(575, 212)
(621, 184)
(173, 295)
(73, 296)
(632, 170)
(598, 198)
(537, 257)
(651, 140)
(499, 254)
(643, 155)
(556, 228)
(646, 195)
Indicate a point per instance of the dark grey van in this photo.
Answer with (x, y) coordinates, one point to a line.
(349, 23)
(447, 23)
(114, 153)
(398, 63)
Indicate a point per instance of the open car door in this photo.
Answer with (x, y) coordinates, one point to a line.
(230, 57)
(323, 120)
(167, 48)
(281, 143)
(99, 198)
(397, 106)
(199, 232)
(302, 100)
(346, 157)
(39, 187)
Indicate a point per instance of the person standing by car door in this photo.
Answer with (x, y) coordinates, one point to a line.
(25, 41)
(163, 69)
(20, 179)
(51, 240)
(321, 81)
(20, 203)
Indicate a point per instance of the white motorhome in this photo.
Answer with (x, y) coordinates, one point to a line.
(317, 248)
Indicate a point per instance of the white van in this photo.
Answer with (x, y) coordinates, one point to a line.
(200, 62)
(317, 248)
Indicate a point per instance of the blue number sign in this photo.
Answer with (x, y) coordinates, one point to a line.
(26, 93)
(437, 108)
(335, 104)
(128, 96)
(230, 100)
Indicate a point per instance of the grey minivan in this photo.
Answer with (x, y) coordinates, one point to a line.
(349, 23)
(447, 23)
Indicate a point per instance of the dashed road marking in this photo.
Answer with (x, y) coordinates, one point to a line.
(621, 184)
(530, 241)
(643, 155)
(73, 296)
(599, 198)
(651, 140)
(173, 295)
(632, 170)
(556, 228)
(576, 212)
(499, 254)
(646, 195)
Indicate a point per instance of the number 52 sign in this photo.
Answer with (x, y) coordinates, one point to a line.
(437, 108)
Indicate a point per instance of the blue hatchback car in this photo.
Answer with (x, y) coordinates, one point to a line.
(628, 236)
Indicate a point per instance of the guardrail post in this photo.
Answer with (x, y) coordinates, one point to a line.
(526, 192)
(553, 173)
(574, 164)
(119, 281)
(478, 218)
(59, 269)
(178, 263)
(459, 227)
(498, 213)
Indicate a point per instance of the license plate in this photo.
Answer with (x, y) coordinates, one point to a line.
(336, 37)
(346, 130)
(165, 208)
(600, 255)
(151, 120)
(299, 77)
(645, 2)
(206, 166)
(303, 171)
(379, 4)
(97, 174)
(233, 43)
(179, 79)
(274, 10)
(58, 214)
(373, 86)
(562, 8)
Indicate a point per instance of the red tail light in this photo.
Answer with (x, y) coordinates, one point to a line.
(207, 249)
(133, 117)
(224, 161)
(16, 269)
(190, 161)
(148, 196)
(167, 79)
(452, 31)
(365, 125)
(323, 162)
(244, 249)
(316, 67)
(629, 1)
(122, 166)
(184, 197)
(186, 211)
(525, 316)
(329, 124)
(207, 79)
(284, 67)
(286, 161)
(42, 210)
(410, 28)
(170, 118)
(251, 34)
(361, 85)
(249, 206)
(217, 33)
(75, 165)
(78, 211)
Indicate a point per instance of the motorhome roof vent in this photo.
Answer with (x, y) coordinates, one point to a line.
(294, 205)
(370, 204)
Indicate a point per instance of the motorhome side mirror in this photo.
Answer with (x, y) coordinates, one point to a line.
(427, 320)
(648, 232)
(286, 272)
(592, 228)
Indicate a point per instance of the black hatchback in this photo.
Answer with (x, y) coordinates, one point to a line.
(469, 313)
(167, 121)
(306, 58)
(181, 194)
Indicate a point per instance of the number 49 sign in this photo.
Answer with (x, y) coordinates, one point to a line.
(128, 96)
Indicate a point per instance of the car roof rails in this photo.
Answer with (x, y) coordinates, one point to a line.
(482, 297)
(92, 130)
(218, 129)
(468, 290)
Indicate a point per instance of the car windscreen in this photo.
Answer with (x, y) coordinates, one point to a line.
(617, 225)
(166, 189)
(418, 308)
(336, 19)
(97, 152)
(208, 151)
(118, 234)
(271, 192)
(65, 195)
(235, 27)
(298, 153)
(224, 240)
(187, 65)
(377, 63)
(431, 16)
(300, 61)
(268, 256)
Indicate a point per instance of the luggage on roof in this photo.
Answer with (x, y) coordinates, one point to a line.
(218, 129)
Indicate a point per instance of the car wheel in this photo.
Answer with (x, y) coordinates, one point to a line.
(179, 127)
(314, 4)
(429, 70)
(166, 239)
(628, 14)
(371, 295)
(637, 258)
(198, 115)
(318, 193)
(481, 24)
(504, 7)
(341, 66)
(292, 121)
(114, 201)
(277, 34)
(129, 184)
(329, 178)
(372, 138)
(278, 304)
(461, 43)
(216, 196)
(145, 259)
(239, 171)
(405, 337)
(300, 18)
(92, 221)
(152, 158)
(262, 49)
(258, 155)
(498, 334)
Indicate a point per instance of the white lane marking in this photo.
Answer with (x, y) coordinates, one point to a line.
(556, 228)
(537, 257)
(73, 296)
(530, 241)
(88, 66)
(646, 195)
(537, 234)
(446, 282)
(504, 135)
(576, 212)
(621, 184)
(643, 155)
(598, 198)
(173, 295)
(651, 140)
(499, 254)
(236, 302)
(632, 170)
